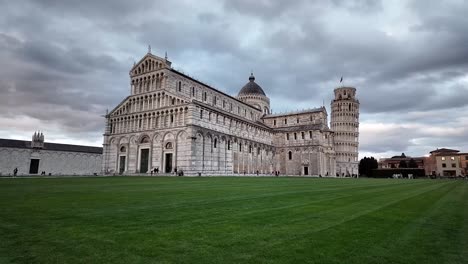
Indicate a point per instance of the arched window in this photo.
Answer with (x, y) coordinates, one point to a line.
(290, 155)
(145, 140)
(123, 149)
(169, 145)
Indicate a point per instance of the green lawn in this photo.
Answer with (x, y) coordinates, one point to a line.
(233, 220)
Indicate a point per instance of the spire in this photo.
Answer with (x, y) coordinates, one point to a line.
(149, 49)
(165, 56)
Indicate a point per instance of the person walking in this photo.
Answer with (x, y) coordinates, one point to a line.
(15, 171)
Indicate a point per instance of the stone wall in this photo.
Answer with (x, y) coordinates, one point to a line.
(54, 162)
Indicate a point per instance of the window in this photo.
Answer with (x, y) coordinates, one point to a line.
(201, 114)
(240, 146)
(287, 136)
(214, 100)
(444, 165)
(123, 149)
(285, 121)
(180, 86)
(173, 101)
(274, 122)
(215, 143)
(302, 135)
(452, 158)
(139, 123)
(172, 118)
(258, 151)
(290, 155)
(193, 91)
(454, 165)
(250, 148)
(443, 158)
(229, 145)
(298, 120)
(295, 136)
(204, 96)
(310, 134)
(224, 103)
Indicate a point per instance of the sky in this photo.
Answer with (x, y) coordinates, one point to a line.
(63, 63)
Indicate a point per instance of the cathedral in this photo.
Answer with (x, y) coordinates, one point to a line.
(172, 124)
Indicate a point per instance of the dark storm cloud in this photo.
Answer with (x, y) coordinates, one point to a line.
(409, 60)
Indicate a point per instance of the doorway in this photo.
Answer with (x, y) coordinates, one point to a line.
(144, 158)
(306, 170)
(168, 163)
(122, 164)
(34, 166)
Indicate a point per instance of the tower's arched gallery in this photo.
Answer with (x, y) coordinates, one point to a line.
(172, 122)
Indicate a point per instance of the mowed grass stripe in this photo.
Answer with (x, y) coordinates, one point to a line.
(212, 220)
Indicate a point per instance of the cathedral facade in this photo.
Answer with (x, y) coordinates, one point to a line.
(173, 124)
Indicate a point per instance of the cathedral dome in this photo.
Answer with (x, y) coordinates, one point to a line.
(252, 88)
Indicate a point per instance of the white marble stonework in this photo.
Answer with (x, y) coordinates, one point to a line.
(56, 159)
(171, 122)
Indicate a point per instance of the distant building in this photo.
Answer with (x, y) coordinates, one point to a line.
(395, 161)
(37, 157)
(464, 163)
(444, 162)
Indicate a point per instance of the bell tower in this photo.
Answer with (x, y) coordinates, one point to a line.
(345, 124)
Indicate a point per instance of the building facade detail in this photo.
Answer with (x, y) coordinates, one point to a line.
(37, 157)
(171, 123)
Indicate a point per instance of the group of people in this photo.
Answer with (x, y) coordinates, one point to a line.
(156, 171)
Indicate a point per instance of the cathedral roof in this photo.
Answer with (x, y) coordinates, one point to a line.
(252, 87)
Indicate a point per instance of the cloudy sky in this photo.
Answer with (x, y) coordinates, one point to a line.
(63, 63)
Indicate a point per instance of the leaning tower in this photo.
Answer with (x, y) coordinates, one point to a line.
(345, 123)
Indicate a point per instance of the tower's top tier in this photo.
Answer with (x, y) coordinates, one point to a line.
(345, 93)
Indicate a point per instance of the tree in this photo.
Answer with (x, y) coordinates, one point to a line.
(403, 164)
(366, 165)
(412, 164)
